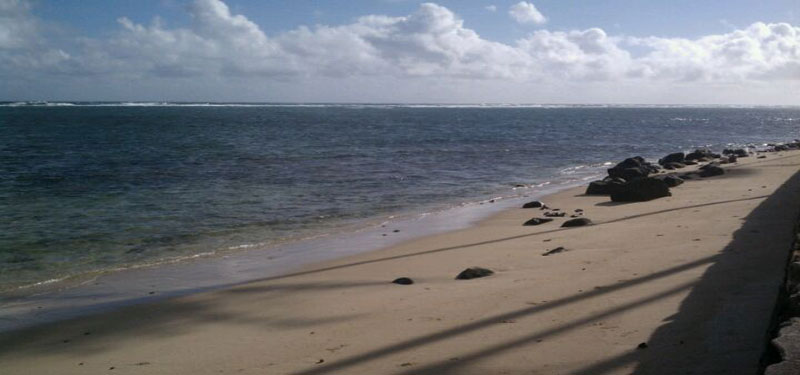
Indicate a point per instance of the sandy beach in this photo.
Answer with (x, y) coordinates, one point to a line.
(678, 285)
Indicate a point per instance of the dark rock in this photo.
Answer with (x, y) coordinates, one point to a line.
(403, 281)
(473, 273)
(629, 173)
(740, 152)
(631, 168)
(557, 250)
(712, 169)
(674, 165)
(788, 345)
(537, 221)
(689, 162)
(642, 346)
(534, 204)
(579, 222)
(670, 180)
(762, 157)
(781, 147)
(700, 154)
(555, 214)
(672, 158)
(641, 190)
(604, 187)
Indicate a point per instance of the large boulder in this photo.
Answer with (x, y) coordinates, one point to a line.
(711, 169)
(640, 190)
(605, 187)
(670, 180)
(701, 154)
(672, 158)
(632, 168)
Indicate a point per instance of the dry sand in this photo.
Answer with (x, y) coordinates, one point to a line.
(695, 276)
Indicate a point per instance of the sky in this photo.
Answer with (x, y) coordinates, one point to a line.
(399, 51)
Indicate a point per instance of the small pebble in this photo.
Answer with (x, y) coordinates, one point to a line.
(396, 230)
(403, 281)
(642, 346)
(320, 361)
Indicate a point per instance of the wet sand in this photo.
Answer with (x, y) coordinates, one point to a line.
(682, 284)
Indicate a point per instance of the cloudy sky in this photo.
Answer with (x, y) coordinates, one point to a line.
(544, 51)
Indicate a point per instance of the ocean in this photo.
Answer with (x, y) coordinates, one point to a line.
(93, 188)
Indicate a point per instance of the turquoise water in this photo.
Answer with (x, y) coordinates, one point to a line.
(98, 186)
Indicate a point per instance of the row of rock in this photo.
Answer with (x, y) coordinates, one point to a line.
(631, 180)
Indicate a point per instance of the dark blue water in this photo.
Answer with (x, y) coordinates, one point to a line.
(90, 188)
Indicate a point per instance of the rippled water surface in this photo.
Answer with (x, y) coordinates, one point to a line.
(92, 187)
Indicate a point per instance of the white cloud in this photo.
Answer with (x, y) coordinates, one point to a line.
(431, 47)
(759, 52)
(491, 8)
(21, 41)
(524, 12)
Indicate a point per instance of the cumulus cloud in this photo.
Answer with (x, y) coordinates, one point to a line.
(583, 55)
(491, 8)
(431, 44)
(761, 51)
(22, 43)
(524, 12)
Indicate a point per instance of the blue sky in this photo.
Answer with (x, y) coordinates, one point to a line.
(448, 51)
(675, 18)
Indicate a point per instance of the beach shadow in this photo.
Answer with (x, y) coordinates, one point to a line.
(90, 334)
(726, 305)
(732, 342)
